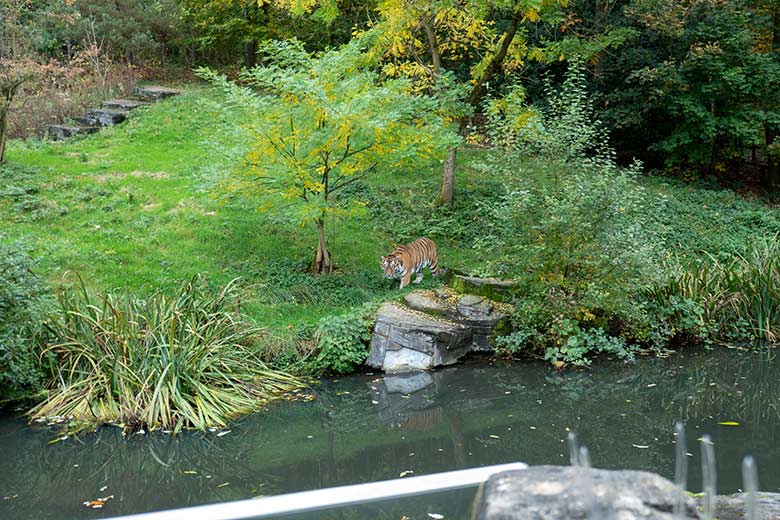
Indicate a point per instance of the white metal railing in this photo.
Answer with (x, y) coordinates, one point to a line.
(317, 499)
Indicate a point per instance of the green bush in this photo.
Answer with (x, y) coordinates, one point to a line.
(163, 362)
(24, 303)
(342, 340)
(573, 228)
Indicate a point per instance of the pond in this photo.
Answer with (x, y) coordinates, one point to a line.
(371, 427)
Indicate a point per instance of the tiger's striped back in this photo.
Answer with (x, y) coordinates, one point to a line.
(410, 259)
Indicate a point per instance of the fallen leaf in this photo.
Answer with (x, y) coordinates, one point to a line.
(494, 437)
(407, 472)
(220, 434)
(189, 472)
(641, 447)
(729, 423)
(436, 516)
(224, 484)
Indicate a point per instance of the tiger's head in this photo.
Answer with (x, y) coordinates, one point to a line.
(391, 265)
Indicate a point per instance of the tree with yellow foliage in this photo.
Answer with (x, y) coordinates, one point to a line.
(417, 38)
(322, 124)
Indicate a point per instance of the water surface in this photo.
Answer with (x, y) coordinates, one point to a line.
(372, 427)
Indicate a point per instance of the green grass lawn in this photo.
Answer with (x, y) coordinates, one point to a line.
(141, 206)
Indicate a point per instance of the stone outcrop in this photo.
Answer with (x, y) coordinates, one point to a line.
(430, 329)
(111, 112)
(405, 339)
(558, 492)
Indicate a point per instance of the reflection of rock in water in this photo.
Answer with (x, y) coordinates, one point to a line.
(420, 400)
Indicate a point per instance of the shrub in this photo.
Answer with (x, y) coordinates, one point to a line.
(162, 362)
(24, 302)
(574, 232)
(342, 340)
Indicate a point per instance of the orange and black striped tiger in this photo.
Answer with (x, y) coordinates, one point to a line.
(410, 259)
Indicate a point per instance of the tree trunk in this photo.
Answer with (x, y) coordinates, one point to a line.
(322, 261)
(3, 132)
(447, 192)
(479, 89)
(772, 159)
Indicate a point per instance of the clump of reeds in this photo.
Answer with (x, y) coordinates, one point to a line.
(737, 297)
(168, 362)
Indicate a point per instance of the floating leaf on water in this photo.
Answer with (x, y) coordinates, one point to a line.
(189, 472)
(98, 503)
(728, 423)
(700, 439)
(494, 437)
(374, 402)
(532, 427)
(103, 488)
(651, 385)
(406, 472)
(436, 516)
(640, 446)
(223, 484)
(58, 439)
(220, 434)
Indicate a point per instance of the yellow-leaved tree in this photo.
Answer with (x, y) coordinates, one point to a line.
(417, 38)
(323, 123)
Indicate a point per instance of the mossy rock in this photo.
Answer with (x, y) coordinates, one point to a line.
(492, 288)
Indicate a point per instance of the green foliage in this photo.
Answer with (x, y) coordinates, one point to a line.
(24, 303)
(160, 362)
(342, 340)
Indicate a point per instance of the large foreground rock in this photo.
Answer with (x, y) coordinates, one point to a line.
(732, 507)
(560, 492)
(405, 339)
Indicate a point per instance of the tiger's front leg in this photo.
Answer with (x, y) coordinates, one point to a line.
(405, 280)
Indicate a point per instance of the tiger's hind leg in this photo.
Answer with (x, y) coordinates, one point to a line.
(418, 278)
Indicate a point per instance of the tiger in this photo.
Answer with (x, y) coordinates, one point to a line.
(411, 258)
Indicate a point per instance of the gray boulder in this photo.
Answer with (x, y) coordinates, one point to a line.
(405, 339)
(561, 492)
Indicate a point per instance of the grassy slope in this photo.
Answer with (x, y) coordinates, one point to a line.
(137, 207)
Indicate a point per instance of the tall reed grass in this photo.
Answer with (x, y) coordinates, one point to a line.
(740, 296)
(175, 362)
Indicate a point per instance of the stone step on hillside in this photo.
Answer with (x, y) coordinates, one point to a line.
(59, 132)
(154, 92)
(105, 116)
(123, 104)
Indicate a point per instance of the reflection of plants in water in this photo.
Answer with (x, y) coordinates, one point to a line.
(740, 387)
(143, 472)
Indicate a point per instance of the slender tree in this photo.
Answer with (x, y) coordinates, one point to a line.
(320, 126)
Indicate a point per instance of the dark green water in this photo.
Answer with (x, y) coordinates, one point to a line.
(369, 427)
